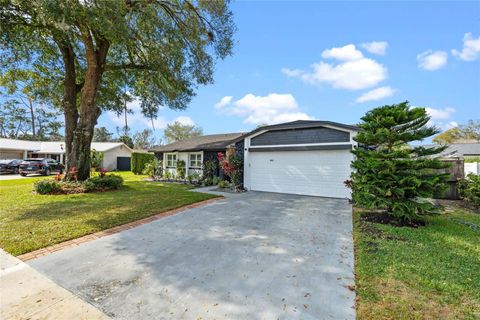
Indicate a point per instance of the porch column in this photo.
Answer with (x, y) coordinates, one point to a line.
(25, 154)
(61, 158)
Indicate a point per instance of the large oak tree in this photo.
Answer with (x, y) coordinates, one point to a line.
(88, 53)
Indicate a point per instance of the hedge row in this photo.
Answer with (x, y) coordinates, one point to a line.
(139, 160)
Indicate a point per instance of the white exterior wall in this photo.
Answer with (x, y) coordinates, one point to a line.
(110, 156)
(185, 156)
(472, 167)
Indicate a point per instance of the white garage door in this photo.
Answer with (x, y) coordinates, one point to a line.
(314, 173)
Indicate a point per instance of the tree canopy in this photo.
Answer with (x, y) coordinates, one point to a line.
(177, 131)
(87, 54)
(461, 134)
(144, 139)
(101, 134)
(391, 174)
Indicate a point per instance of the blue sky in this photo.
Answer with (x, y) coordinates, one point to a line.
(335, 61)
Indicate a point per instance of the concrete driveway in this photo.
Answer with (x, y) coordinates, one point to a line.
(249, 256)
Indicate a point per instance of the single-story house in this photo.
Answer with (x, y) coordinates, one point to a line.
(116, 155)
(194, 151)
(462, 150)
(300, 157)
(469, 152)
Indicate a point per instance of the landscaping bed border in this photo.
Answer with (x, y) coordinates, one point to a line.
(100, 234)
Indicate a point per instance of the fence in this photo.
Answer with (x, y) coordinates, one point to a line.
(457, 172)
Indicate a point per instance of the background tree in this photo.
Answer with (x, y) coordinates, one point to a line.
(176, 131)
(144, 140)
(101, 134)
(461, 134)
(127, 140)
(24, 114)
(87, 52)
(389, 173)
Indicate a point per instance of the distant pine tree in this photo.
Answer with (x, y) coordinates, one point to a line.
(389, 173)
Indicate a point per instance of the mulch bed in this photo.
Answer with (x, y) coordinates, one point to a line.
(384, 218)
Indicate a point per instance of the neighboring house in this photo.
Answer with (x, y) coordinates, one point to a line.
(463, 150)
(194, 151)
(299, 157)
(116, 155)
(469, 152)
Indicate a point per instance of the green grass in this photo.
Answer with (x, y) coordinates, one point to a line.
(432, 272)
(30, 221)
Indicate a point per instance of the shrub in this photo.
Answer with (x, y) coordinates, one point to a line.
(207, 182)
(472, 159)
(224, 184)
(469, 189)
(153, 168)
(180, 169)
(215, 180)
(96, 160)
(389, 174)
(107, 182)
(139, 160)
(47, 187)
(232, 167)
(209, 169)
(167, 175)
(193, 177)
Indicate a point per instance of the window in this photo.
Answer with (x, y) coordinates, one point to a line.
(195, 160)
(171, 159)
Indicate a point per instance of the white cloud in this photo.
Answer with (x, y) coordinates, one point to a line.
(431, 61)
(470, 50)
(223, 102)
(272, 108)
(292, 72)
(376, 47)
(187, 121)
(376, 94)
(354, 72)
(440, 114)
(345, 53)
(451, 124)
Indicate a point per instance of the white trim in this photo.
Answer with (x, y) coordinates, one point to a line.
(189, 160)
(300, 145)
(175, 161)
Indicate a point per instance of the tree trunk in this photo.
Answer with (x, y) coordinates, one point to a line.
(80, 122)
(32, 115)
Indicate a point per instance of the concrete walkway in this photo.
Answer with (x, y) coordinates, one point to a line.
(27, 294)
(249, 256)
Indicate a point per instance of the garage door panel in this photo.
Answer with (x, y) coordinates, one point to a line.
(317, 173)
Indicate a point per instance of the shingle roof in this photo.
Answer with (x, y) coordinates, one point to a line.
(462, 149)
(51, 146)
(209, 142)
(304, 124)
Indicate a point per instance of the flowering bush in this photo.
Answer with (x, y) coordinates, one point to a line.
(102, 172)
(232, 167)
(72, 173)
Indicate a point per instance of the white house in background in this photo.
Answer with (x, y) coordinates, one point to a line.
(116, 155)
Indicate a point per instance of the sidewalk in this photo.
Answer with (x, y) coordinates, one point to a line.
(27, 294)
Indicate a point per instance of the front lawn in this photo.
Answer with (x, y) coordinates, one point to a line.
(30, 221)
(431, 272)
